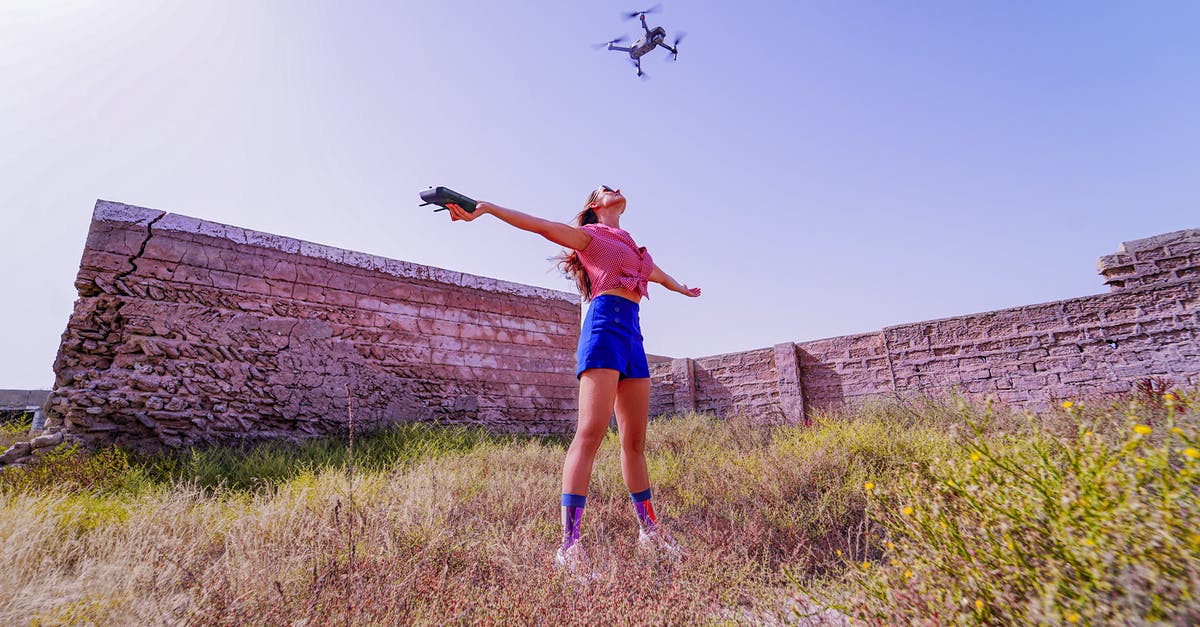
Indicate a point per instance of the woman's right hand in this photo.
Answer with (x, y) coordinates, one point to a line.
(458, 213)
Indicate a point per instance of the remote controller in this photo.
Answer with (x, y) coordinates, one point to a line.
(443, 196)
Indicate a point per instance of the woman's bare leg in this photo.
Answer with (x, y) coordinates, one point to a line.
(597, 393)
(633, 413)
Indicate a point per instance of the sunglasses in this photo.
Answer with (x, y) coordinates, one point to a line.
(607, 189)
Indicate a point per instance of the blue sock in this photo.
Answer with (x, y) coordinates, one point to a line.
(572, 515)
(644, 509)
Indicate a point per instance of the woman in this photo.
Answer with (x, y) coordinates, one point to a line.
(612, 272)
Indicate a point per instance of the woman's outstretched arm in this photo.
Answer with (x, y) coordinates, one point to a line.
(562, 234)
(658, 276)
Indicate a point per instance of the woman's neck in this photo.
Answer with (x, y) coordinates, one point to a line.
(609, 219)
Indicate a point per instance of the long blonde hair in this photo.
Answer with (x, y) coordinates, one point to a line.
(568, 261)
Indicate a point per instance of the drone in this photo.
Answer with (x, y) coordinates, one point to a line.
(652, 39)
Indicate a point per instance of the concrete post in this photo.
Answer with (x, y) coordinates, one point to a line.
(791, 393)
(683, 373)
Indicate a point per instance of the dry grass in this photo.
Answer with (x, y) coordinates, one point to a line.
(465, 538)
(454, 526)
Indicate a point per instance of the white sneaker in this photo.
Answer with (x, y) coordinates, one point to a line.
(573, 561)
(657, 542)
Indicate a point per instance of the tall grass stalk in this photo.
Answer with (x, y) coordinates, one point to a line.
(352, 517)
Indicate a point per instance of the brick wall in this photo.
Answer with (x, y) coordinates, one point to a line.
(1147, 326)
(188, 332)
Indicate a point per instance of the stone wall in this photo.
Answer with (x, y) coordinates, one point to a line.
(188, 332)
(1148, 326)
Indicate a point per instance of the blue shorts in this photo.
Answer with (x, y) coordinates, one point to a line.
(611, 337)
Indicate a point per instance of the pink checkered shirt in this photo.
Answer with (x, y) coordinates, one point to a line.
(612, 259)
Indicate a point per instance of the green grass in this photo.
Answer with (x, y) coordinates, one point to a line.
(457, 525)
(14, 431)
(246, 468)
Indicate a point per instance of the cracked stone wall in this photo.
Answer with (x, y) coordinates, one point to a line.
(188, 332)
(1147, 326)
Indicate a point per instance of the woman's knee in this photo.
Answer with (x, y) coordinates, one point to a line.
(588, 440)
(633, 445)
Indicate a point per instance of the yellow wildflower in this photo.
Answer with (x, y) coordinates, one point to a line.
(866, 565)
(839, 552)
(868, 486)
(1169, 397)
(1089, 542)
(1176, 430)
(908, 574)
(1011, 546)
(895, 562)
(978, 605)
(907, 511)
(1072, 617)
(1068, 404)
(975, 456)
(1191, 453)
(890, 546)
(1142, 429)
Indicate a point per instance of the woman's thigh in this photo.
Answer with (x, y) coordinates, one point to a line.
(633, 409)
(598, 390)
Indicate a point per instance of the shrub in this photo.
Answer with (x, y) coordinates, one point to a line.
(15, 430)
(1036, 528)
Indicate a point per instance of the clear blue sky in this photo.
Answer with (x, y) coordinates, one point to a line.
(818, 168)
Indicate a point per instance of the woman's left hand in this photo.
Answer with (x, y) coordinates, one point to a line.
(689, 291)
(458, 213)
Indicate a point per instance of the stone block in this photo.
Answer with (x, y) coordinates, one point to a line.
(16, 452)
(1077, 376)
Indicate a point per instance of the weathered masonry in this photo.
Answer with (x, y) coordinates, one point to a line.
(1147, 326)
(189, 332)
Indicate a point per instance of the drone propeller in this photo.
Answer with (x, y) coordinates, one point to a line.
(654, 9)
(675, 44)
(610, 42)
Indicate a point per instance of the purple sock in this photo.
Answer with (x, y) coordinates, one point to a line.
(572, 515)
(645, 511)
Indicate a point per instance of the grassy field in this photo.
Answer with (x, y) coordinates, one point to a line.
(898, 512)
